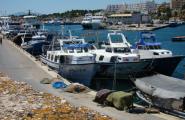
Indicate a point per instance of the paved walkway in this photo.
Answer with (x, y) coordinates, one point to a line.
(19, 67)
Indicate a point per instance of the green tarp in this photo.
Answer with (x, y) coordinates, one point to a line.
(120, 100)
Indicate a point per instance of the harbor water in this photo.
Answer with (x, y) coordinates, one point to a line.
(162, 35)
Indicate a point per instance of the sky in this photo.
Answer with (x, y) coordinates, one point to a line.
(53, 6)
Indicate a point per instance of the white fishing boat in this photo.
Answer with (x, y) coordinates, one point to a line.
(71, 58)
(93, 22)
(34, 45)
(53, 22)
(7, 26)
(162, 61)
(117, 59)
(148, 47)
(31, 22)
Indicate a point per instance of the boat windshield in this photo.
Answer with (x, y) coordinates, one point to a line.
(87, 19)
(149, 47)
(116, 38)
(122, 50)
(152, 47)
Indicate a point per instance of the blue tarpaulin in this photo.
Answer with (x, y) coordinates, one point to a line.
(58, 85)
(144, 37)
(75, 46)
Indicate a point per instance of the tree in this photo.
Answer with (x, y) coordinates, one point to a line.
(164, 12)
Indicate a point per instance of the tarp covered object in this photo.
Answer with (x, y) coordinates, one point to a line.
(120, 100)
(58, 85)
(162, 86)
(76, 88)
(46, 81)
(165, 92)
(102, 95)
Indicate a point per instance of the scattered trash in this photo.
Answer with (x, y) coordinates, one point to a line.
(19, 101)
(58, 85)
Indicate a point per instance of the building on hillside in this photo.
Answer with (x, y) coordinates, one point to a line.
(177, 4)
(114, 8)
(131, 18)
(146, 7)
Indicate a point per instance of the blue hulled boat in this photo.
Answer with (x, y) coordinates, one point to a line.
(162, 60)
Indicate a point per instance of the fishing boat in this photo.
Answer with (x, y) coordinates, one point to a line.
(31, 21)
(173, 23)
(34, 45)
(22, 37)
(117, 60)
(71, 58)
(162, 60)
(10, 28)
(53, 22)
(93, 22)
(148, 47)
(178, 39)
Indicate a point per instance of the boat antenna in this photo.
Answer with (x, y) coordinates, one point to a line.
(70, 35)
(53, 42)
(62, 27)
(43, 27)
(97, 37)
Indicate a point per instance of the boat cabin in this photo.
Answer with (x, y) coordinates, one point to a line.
(117, 50)
(74, 51)
(148, 43)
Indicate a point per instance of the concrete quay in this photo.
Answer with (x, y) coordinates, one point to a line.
(21, 66)
(135, 27)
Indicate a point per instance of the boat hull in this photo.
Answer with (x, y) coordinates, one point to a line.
(173, 24)
(35, 49)
(81, 73)
(122, 70)
(178, 39)
(165, 66)
(92, 26)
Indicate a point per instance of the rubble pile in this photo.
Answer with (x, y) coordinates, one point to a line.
(19, 101)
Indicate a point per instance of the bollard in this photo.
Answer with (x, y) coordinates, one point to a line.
(1, 40)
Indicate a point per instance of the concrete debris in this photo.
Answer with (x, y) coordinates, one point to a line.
(19, 101)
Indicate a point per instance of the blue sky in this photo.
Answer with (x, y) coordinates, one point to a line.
(51, 6)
